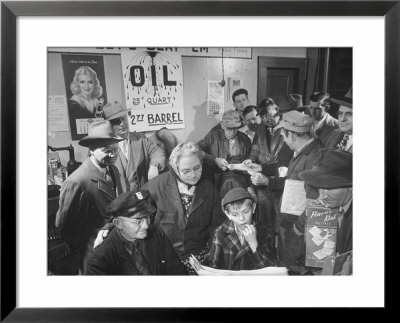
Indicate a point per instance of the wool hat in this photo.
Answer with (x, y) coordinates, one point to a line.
(129, 203)
(100, 131)
(347, 100)
(295, 121)
(236, 194)
(114, 110)
(332, 169)
(231, 119)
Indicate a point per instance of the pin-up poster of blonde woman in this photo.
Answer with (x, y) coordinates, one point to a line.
(86, 91)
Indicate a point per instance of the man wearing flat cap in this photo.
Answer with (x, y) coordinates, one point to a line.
(332, 176)
(227, 146)
(139, 159)
(295, 130)
(88, 190)
(134, 247)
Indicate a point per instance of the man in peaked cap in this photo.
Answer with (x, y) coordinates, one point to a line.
(342, 138)
(138, 159)
(227, 146)
(88, 190)
(295, 130)
(134, 247)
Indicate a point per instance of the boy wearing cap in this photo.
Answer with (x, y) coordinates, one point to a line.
(139, 159)
(134, 247)
(239, 243)
(88, 190)
(227, 146)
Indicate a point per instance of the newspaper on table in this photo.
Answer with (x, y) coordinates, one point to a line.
(202, 270)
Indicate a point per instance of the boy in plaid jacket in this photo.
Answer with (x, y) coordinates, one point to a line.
(239, 243)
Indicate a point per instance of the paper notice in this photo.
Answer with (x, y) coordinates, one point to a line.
(215, 99)
(57, 113)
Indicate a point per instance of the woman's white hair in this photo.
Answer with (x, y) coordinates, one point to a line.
(185, 149)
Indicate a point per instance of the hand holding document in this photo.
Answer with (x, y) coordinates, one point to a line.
(208, 271)
(249, 168)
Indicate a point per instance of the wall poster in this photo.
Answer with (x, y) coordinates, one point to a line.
(153, 83)
(86, 91)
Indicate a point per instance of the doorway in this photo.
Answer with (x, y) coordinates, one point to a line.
(280, 76)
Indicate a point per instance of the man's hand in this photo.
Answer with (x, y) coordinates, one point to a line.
(247, 162)
(250, 235)
(153, 172)
(259, 179)
(100, 238)
(221, 163)
(255, 167)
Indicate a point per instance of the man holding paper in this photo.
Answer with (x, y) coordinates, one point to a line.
(295, 130)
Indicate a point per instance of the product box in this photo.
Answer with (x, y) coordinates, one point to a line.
(320, 233)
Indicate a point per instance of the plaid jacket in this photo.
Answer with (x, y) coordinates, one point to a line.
(226, 252)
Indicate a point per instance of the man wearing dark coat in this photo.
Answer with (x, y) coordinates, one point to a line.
(88, 190)
(134, 247)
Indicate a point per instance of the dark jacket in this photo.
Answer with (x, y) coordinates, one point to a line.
(112, 258)
(142, 153)
(325, 130)
(226, 252)
(83, 198)
(186, 234)
(216, 145)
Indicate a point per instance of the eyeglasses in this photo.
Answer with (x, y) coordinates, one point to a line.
(118, 121)
(241, 100)
(138, 222)
(187, 172)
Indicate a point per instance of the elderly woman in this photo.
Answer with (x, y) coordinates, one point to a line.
(86, 90)
(188, 205)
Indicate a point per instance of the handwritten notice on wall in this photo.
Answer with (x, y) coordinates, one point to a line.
(153, 84)
(57, 113)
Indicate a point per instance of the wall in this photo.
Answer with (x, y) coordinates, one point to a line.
(196, 72)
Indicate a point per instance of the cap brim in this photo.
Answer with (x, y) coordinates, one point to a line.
(117, 115)
(86, 141)
(322, 180)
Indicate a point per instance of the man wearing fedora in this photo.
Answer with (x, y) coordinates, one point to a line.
(324, 123)
(332, 175)
(88, 190)
(227, 146)
(342, 138)
(134, 247)
(138, 159)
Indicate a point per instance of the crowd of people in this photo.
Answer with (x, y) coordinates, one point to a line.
(135, 207)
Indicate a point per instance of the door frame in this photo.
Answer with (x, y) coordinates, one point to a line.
(265, 62)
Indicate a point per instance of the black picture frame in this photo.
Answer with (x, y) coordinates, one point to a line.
(11, 10)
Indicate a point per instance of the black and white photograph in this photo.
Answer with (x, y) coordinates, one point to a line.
(188, 160)
(199, 160)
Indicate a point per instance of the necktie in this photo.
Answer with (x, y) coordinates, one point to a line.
(139, 260)
(107, 175)
(343, 143)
